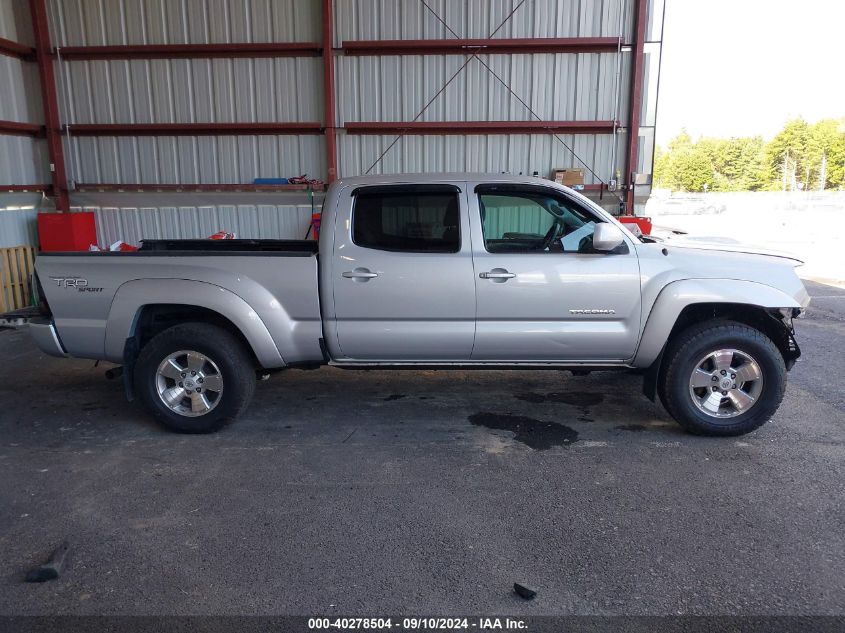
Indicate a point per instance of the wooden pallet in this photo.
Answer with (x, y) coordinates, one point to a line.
(16, 266)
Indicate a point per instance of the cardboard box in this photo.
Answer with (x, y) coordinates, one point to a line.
(568, 176)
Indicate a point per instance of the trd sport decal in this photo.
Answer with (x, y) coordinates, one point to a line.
(75, 282)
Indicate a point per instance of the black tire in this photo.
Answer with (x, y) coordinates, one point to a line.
(235, 365)
(689, 346)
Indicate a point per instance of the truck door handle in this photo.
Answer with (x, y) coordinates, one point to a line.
(497, 273)
(359, 274)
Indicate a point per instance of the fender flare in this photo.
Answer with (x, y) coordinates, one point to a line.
(132, 296)
(680, 294)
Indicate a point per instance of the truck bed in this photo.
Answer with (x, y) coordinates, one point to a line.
(290, 248)
(198, 248)
(264, 287)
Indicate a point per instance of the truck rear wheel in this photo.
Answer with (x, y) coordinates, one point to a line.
(722, 378)
(194, 377)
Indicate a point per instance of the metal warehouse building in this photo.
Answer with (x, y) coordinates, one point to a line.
(165, 117)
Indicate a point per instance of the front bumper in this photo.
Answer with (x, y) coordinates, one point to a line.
(43, 332)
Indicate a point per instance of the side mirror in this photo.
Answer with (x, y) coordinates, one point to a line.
(607, 236)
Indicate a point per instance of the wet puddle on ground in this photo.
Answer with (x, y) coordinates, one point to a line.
(579, 399)
(537, 434)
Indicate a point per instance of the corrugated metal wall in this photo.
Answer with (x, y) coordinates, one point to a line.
(193, 159)
(515, 153)
(23, 159)
(394, 88)
(21, 93)
(133, 217)
(562, 87)
(582, 86)
(410, 19)
(102, 22)
(189, 90)
(18, 219)
(555, 86)
(15, 22)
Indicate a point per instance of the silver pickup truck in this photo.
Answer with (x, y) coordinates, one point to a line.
(446, 270)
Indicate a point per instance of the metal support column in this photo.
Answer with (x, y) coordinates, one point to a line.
(636, 101)
(43, 58)
(328, 91)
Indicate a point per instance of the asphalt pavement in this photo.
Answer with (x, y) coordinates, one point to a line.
(423, 492)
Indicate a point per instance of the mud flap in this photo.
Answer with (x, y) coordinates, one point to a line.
(130, 355)
(650, 377)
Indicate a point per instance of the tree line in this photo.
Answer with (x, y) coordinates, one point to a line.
(801, 157)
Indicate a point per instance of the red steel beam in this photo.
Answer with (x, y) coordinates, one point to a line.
(16, 49)
(191, 187)
(192, 51)
(16, 128)
(483, 46)
(192, 129)
(41, 30)
(48, 189)
(636, 100)
(328, 91)
(479, 127)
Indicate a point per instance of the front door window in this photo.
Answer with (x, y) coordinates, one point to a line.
(534, 222)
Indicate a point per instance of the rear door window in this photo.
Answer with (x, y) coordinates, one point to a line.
(407, 220)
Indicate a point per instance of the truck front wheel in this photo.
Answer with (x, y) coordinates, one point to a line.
(722, 378)
(194, 377)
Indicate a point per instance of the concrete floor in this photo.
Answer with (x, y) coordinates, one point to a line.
(374, 493)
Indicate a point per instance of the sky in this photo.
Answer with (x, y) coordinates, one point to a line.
(743, 67)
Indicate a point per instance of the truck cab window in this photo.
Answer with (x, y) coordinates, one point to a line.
(416, 222)
(534, 222)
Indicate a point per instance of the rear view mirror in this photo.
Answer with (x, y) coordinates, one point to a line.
(607, 236)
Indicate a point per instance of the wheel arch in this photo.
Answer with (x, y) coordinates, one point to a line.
(153, 318)
(142, 308)
(684, 303)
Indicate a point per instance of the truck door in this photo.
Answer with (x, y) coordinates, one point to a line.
(543, 293)
(402, 274)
